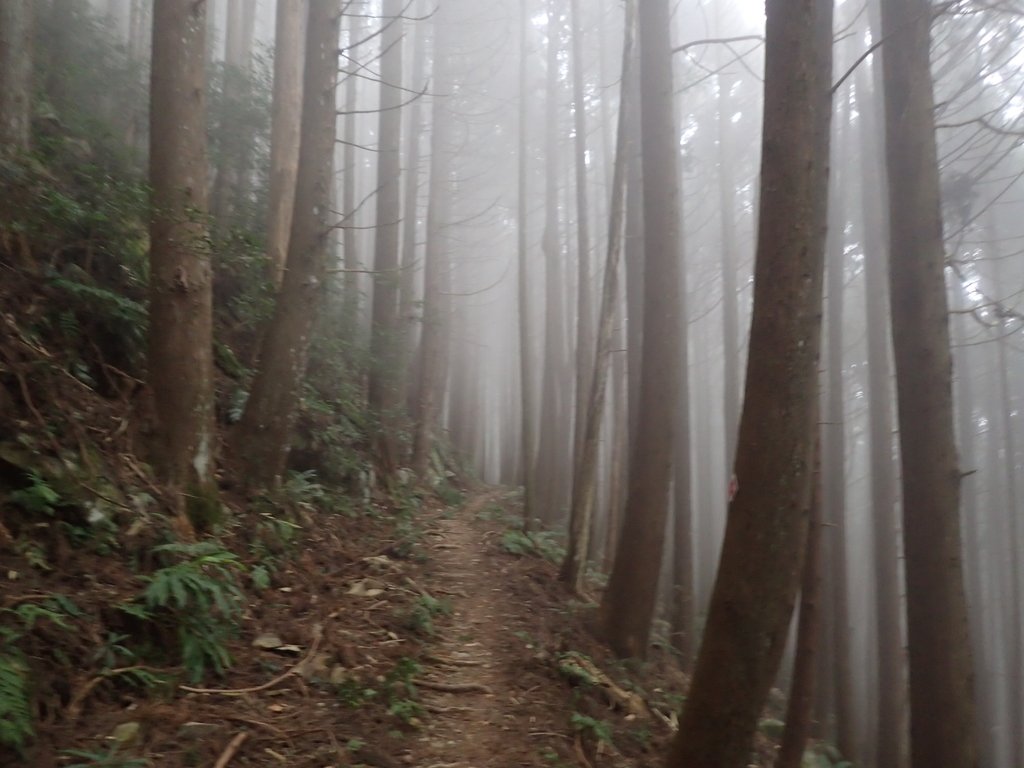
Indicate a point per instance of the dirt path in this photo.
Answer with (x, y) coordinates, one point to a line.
(504, 715)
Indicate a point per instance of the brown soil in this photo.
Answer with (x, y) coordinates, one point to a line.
(368, 689)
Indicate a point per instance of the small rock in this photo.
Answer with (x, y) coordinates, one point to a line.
(268, 641)
(196, 731)
(126, 734)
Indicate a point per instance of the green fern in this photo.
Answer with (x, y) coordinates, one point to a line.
(200, 598)
(38, 498)
(109, 759)
(15, 707)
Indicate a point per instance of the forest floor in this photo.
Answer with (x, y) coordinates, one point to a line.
(443, 642)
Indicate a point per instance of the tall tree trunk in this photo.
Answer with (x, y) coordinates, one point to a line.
(1006, 410)
(682, 615)
(180, 356)
(15, 73)
(976, 550)
(385, 399)
(230, 185)
(834, 477)
(628, 603)
(553, 439)
(730, 312)
(285, 124)
(585, 478)
(434, 361)
(350, 237)
(584, 289)
(526, 360)
(262, 437)
(407, 311)
(891, 681)
(762, 555)
(800, 707)
(941, 691)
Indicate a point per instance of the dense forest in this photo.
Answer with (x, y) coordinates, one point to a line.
(458, 383)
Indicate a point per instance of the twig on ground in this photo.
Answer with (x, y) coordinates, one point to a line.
(453, 687)
(259, 724)
(317, 634)
(231, 750)
(453, 662)
(578, 748)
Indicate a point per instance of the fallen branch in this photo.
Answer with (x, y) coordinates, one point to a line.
(578, 747)
(453, 662)
(453, 687)
(317, 634)
(232, 749)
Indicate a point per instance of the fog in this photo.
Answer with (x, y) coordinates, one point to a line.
(478, 209)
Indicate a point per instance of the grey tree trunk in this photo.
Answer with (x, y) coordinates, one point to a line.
(436, 310)
(385, 399)
(180, 354)
(628, 603)
(762, 555)
(891, 673)
(528, 414)
(585, 477)
(15, 73)
(262, 438)
(285, 124)
(941, 689)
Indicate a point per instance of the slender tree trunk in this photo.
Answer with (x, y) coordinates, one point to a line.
(585, 299)
(180, 357)
(628, 603)
(553, 440)
(1006, 410)
(261, 440)
(834, 478)
(434, 362)
(800, 707)
(585, 479)
(350, 238)
(15, 73)
(682, 614)
(407, 310)
(730, 312)
(975, 550)
(526, 362)
(762, 555)
(230, 184)
(285, 124)
(891, 680)
(941, 690)
(385, 399)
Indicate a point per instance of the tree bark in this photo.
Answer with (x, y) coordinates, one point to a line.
(527, 407)
(180, 355)
(762, 555)
(434, 361)
(407, 288)
(554, 436)
(891, 681)
(941, 690)
(385, 399)
(262, 437)
(285, 125)
(585, 479)
(628, 603)
(584, 288)
(800, 707)
(15, 73)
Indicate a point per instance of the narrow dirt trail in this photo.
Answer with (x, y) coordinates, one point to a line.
(499, 713)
